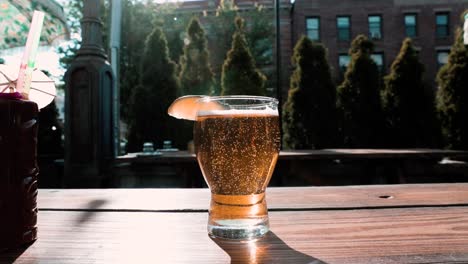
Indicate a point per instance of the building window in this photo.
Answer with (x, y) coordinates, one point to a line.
(411, 25)
(343, 24)
(378, 58)
(313, 28)
(375, 27)
(442, 58)
(343, 62)
(442, 25)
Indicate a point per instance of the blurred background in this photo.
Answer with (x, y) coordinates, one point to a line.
(370, 92)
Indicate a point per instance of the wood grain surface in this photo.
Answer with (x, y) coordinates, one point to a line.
(185, 156)
(410, 235)
(343, 154)
(420, 224)
(296, 198)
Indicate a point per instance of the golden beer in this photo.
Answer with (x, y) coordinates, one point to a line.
(237, 151)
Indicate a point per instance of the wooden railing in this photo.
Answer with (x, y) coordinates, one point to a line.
(305, 168)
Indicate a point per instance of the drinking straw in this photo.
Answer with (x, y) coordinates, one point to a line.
(29, 56)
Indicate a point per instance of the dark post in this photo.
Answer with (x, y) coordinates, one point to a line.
(279, 80)
(89, 135)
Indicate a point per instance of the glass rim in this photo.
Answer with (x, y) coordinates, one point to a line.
(265, 99)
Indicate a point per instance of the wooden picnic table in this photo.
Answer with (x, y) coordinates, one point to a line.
(425, 223)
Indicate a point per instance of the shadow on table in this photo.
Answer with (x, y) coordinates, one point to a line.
(91, 209)
(269, 249)
(10, 255)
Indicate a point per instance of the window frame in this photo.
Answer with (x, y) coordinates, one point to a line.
(416, 25)
(439, 65)
(380, 67)
(446, 27)
(380, 26)
(342, 70)
(318, 28)
(338, 29)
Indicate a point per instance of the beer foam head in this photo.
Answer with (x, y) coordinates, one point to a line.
(243, 112)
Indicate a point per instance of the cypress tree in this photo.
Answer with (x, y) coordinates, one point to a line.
(407, 104)
(222, 27)
(309, 120)
(240, 74)
(196, 76)
(131, 50)
(452, 95)
(358, 97)
(158, 87)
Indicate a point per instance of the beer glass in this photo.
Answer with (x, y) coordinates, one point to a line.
(237, 145)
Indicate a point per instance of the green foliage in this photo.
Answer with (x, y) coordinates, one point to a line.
(173, 24)
(49, 135)
(358, 98)
(137, 20)
(196, 76)
(105, 16)
(452, 95)
(407, 104)
(158, 87)
(131, 50)
(309, 114)
(259, 34)
(220, 28)
(240, 74)
(74, 13)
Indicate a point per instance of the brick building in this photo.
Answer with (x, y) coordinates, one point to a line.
(430, 23)
(335, 23)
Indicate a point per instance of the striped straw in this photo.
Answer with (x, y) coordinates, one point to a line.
(29, 56)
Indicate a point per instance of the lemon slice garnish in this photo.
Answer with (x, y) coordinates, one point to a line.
(187, 107)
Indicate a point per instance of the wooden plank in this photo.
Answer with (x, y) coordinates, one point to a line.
(323, 154)
(163, 158)
(410, 235)
(296, 198)
(340, 154)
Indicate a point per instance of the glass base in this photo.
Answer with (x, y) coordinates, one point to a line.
(238, 229)
(238, 217)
